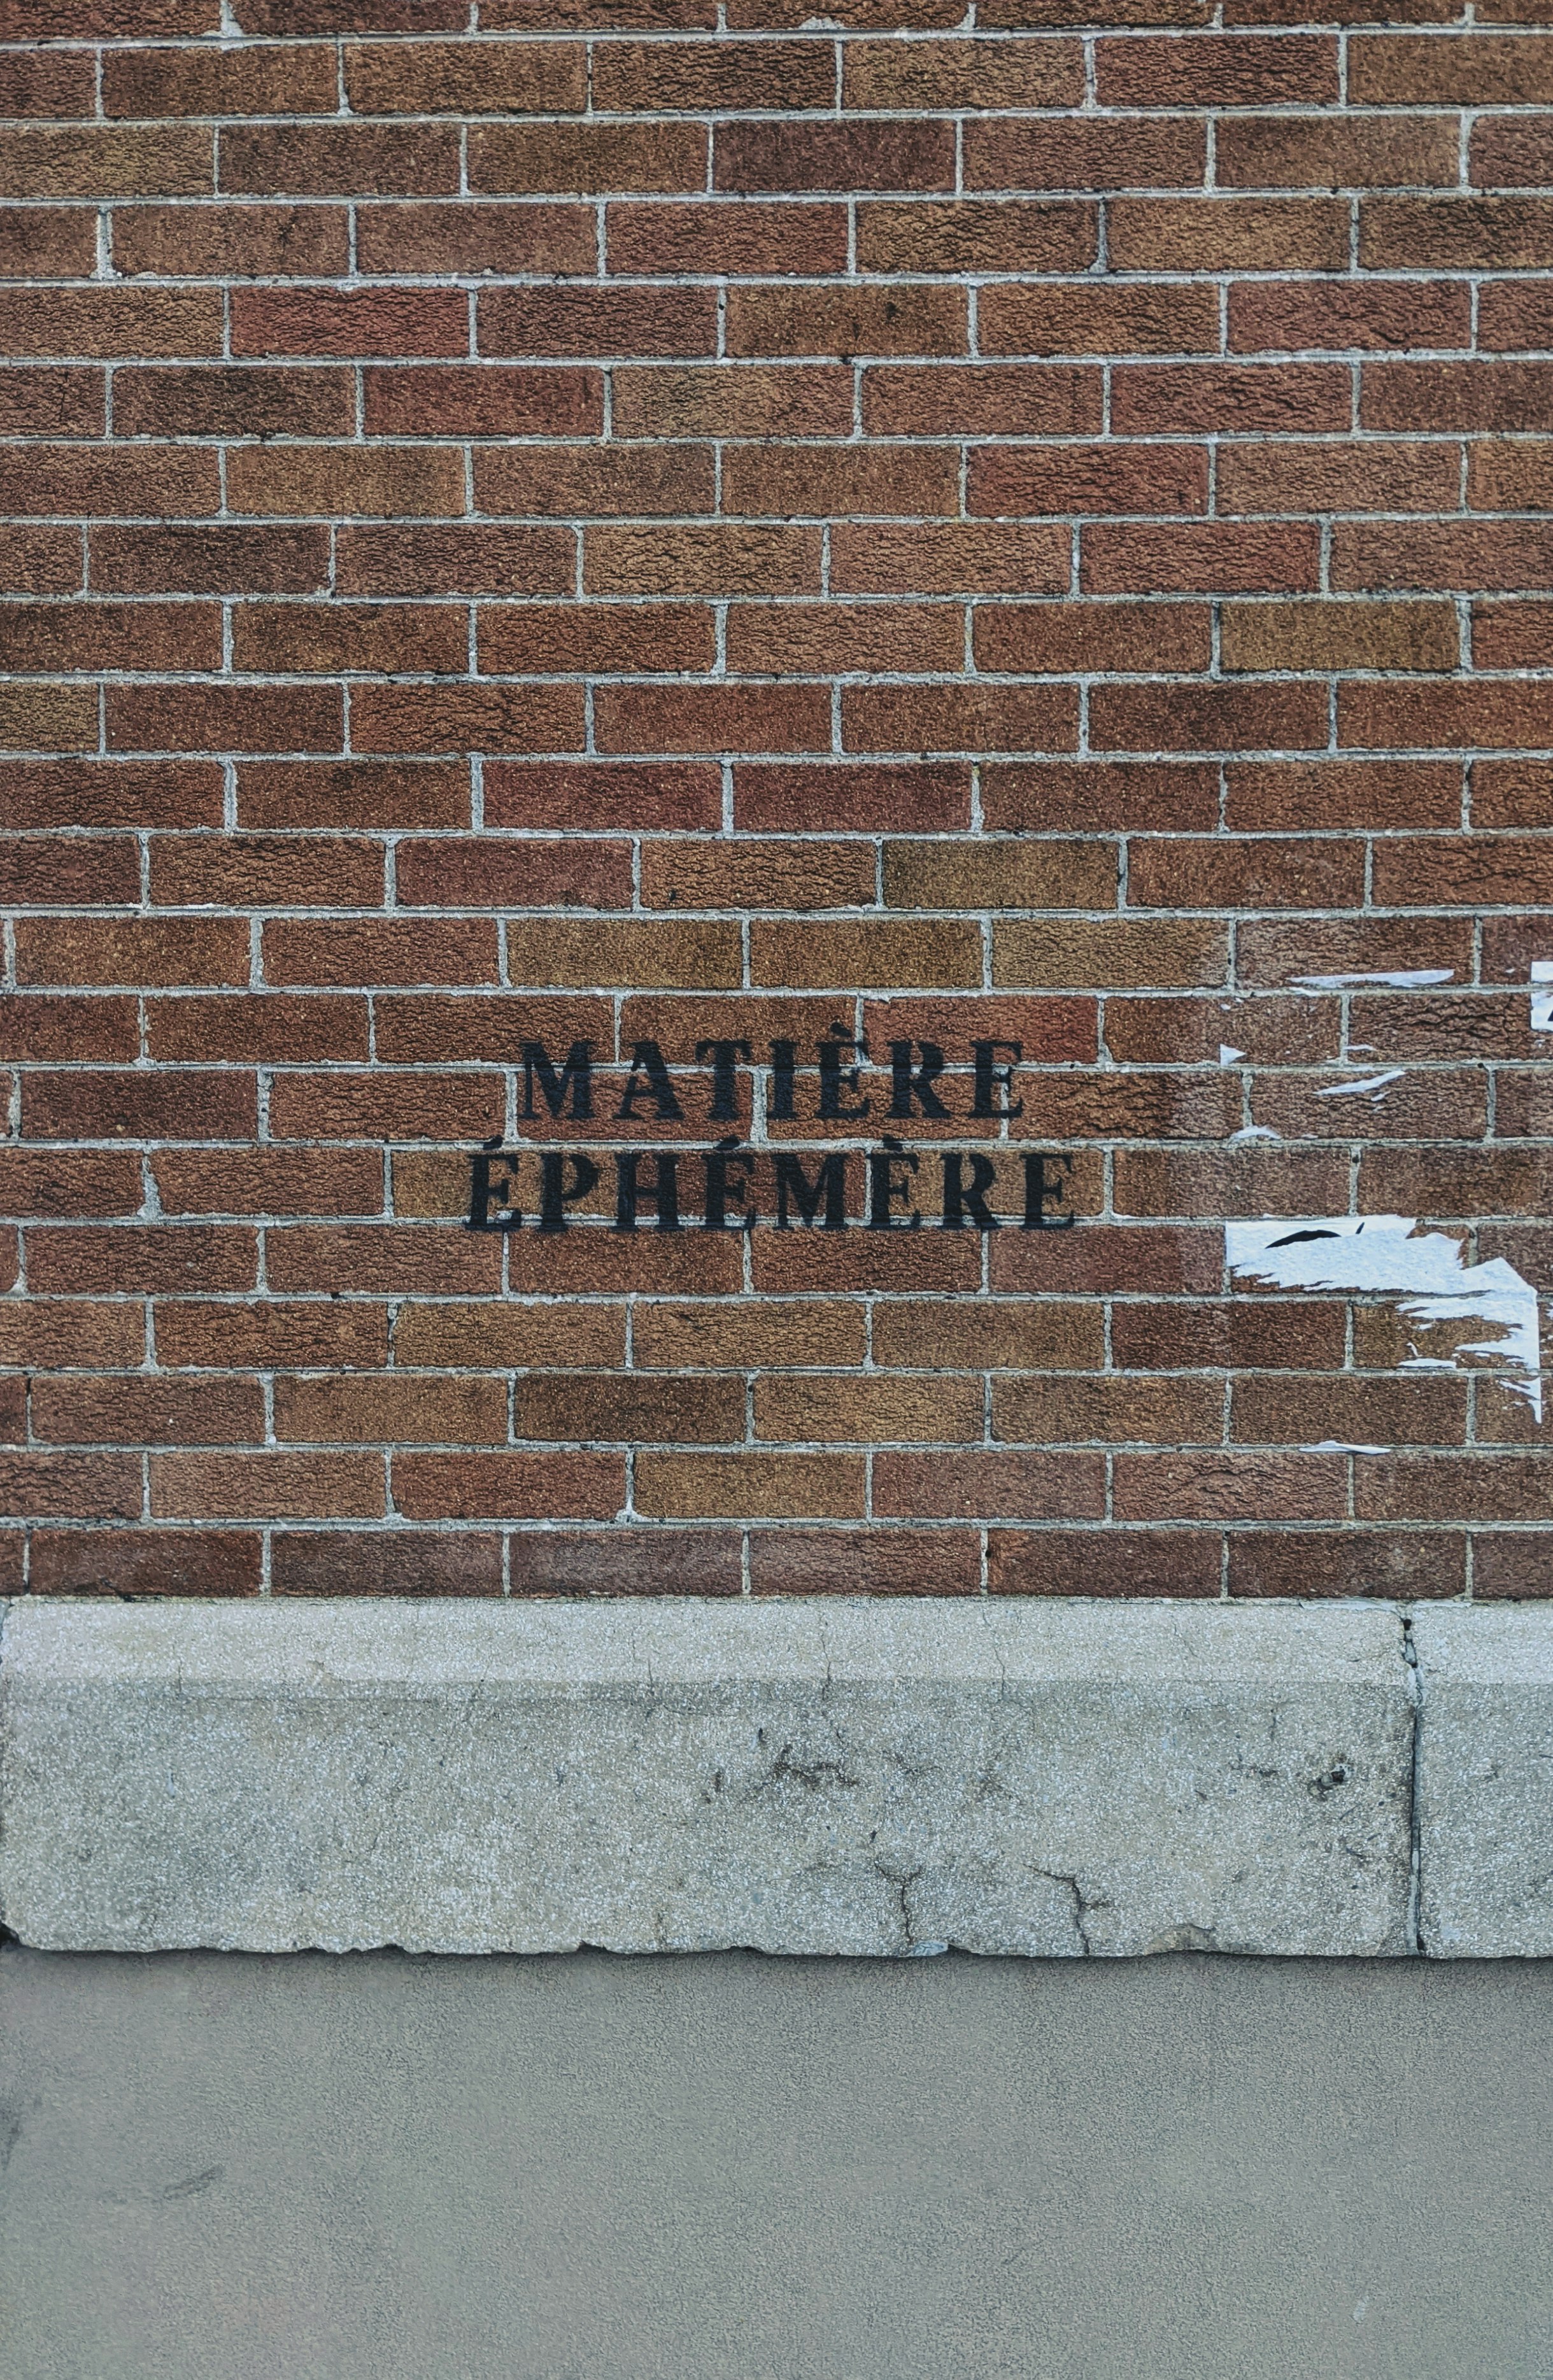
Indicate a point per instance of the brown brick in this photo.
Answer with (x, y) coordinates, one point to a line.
(46, 82)
(1054, 154)
(1344, 315)
(1227, 234)
(37, 560)
(587, 159)
(75, 1412)
(734, 400)
(964, 718)
(957, 558)
(42, 871)
(37, 1182)
(978, 235)
(726, 235)
(1112, 1562)
(779, 157)
(1324, 635)
(268, 80)
(266, 1487)
(934, 1406)
(134, 1104)
(755, 1484)
(1270, 715)
(363, 794)
(851, 797)
(1052, 1030)
(374, 482)
(1453, 1487)
(980, 400)
(453, 872)
(216, 240)
(1149, 400)
(71, 1486)
(822, 481)
(846, 321)
(1444, 716)
(145, 1561)
(385, 1561)
(449, 236)
(718, 718)
(465, 78)
(1231, 1487)
(757, 874)
(486, 718)
(1380, 476)
(868, 951)
(454, 559)
(1335, 153)
(1001, 874)
(1093, 636)
(113, 323)
(1473, 69)
(1126, 954)
(106, 160)
(509, 1486)
(573, 480)
(594, 321)
(1510, 152)
(961, 75)
(141, 1259)
(1218, 70)
(59, 240)
(1422, 1563)
(113, 480)
(1081, 1410)
(1083, 319)
(341, 160)
(1445, 397)
(1507, 1564)
(253, 1027)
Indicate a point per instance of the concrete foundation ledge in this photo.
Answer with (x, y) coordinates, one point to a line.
(1059, 1778)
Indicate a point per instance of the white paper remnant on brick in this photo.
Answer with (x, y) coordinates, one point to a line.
(1542, 995)
(1376, 1254)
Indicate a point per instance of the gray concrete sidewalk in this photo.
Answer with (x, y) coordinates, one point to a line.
(230, 2167)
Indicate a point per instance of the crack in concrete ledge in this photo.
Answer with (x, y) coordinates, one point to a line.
(1415, 1755)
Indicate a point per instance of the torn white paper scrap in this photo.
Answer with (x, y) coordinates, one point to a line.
(1381, 1253)
(1353, 1090)
(1399, 979)
(1343, 1446)
(1226, 1056)
(1542, 1002)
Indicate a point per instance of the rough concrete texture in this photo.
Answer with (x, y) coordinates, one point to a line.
(850, 1777)
(740, 2168)
(1485, 1781)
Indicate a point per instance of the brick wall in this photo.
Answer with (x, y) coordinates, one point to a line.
(640, 523)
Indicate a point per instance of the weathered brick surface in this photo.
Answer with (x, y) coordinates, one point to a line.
(649, 522)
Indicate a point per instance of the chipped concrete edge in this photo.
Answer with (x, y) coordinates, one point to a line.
(813, 1775)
